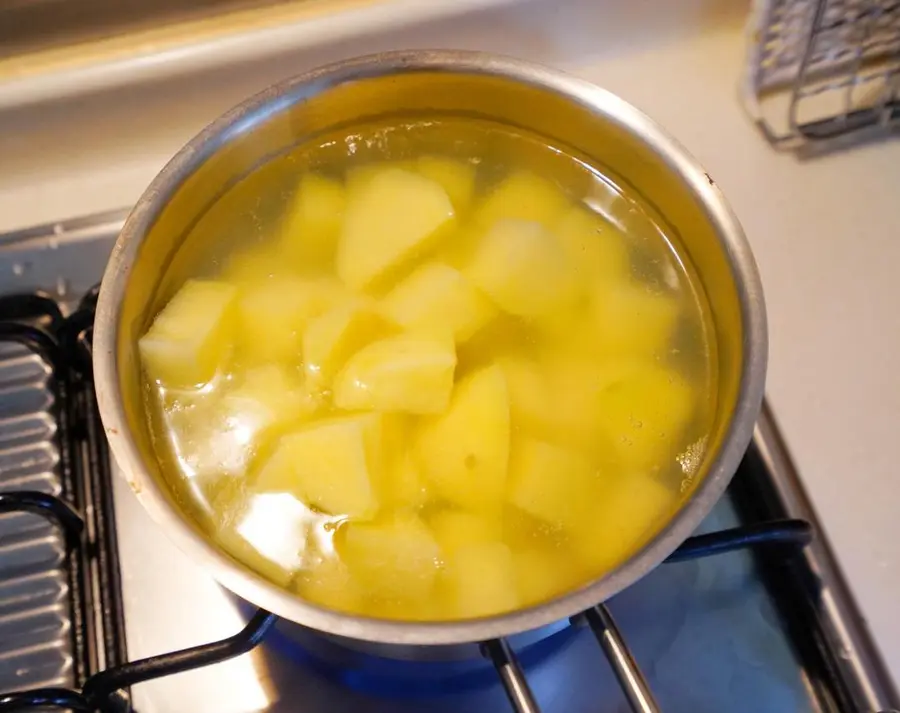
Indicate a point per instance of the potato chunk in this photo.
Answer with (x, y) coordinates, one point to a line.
(630, 509)
(408, 373)
(482, 580)
(523, 196)
(273, 313)
(597, 249)
(313, 221)
(191, 338)
(524, 269)
(464, 452)
(644, 408)
(328, 465)
(391, 216)
(397, 558)
(544, 572)
(437, 298)
(454, 529)
(269, 535)
(331, 338)
(330, 583)
(456, 177)
(553, 484)
(218, 434)
(630, 321)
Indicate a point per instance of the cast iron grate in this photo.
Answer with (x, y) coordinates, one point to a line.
(85, 516)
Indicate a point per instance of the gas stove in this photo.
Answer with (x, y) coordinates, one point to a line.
(751, 614)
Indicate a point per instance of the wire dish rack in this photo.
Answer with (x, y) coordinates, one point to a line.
(824, 73)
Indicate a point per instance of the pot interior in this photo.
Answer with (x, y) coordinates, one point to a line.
(157, 244)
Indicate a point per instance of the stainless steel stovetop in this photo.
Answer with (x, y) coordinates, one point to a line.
(748, 630)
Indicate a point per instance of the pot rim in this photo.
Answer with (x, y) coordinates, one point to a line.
(258, 590)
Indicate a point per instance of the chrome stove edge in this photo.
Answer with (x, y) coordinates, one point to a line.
(858, 663)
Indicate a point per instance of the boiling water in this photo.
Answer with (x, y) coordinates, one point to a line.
(497, 411)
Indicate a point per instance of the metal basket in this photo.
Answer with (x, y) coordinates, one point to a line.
(824, 72)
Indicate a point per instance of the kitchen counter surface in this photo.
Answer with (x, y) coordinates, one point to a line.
(826, 231)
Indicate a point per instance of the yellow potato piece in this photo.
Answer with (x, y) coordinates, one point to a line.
(313, 221)
(597, 249)
(644, 408)
(191, 338)
(405, 487)
(408, 373)
(269, 535)
(330, 583)
(273, 313)
(220, 433)
(553, 484)
(328, 466)
(482, 580)
(438, 298)
(396, 558)
(272, 391)
(530, 396)
(359, 176)
(524, 269)
(631, 508)
(390, 217)
(523, 196)
(464, 453)
(331, 338)
(456, 177)
(454, 529)
(629, 320)
(543, 573)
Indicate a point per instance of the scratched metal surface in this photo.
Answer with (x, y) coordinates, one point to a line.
(35, 646)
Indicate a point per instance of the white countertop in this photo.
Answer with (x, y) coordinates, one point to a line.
(826, 231)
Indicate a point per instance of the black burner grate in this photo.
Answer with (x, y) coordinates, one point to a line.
(85, 514)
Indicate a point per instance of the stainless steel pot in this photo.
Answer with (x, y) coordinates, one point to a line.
(565, 110)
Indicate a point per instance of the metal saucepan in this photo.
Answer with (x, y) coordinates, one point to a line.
(563, 109)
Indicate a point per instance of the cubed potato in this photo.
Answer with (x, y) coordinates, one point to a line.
(405, 488)
(530, 396)
(394, 558)
(554, 484)
(219, 433)
(597, 249)
(329, 583)
(576, 383)
(273, 313)
(464, 453)
(191, 338)
(256, 264)
(313, 222)
(359, 176)
(331, 338)
(408, 373)
(390, 217)
(269, 394)
(437, 298)
(328, 466)
(543, 573)
(456, 177)
(523, 196)
(524, 269)
(629, 511)
(482, 580)
(644, 408)
(454, 529)
(629, 320)
(269, 535)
